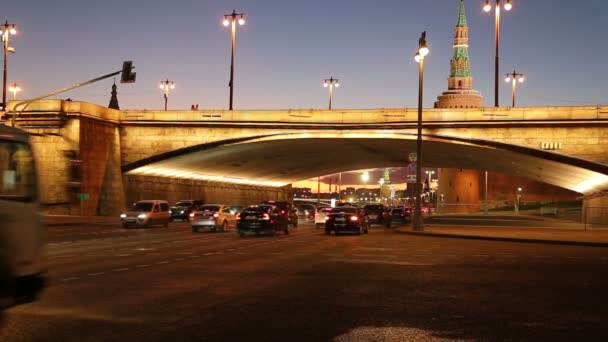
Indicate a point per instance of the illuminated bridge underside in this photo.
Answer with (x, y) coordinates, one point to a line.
(278, 160)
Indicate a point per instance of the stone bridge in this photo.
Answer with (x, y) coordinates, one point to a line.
(243, 156)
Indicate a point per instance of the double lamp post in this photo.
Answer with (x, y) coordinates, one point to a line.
(423, 51)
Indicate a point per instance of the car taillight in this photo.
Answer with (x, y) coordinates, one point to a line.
(282, 211)
(265, 217)
(216, 215)
(354, 218)
(191, 215)
(238, 216)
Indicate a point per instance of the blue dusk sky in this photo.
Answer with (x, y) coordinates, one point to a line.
(288, 47)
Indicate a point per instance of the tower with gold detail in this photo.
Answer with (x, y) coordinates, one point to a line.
(460, 93)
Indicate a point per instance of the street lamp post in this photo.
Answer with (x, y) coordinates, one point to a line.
(364, 178)
(517, 199)
(514, 78)
(488, 7)
(231, 19)
(6, 30)
(429, 180)
(14, 88)
(330, 83)
(423, 50)
(167, 86)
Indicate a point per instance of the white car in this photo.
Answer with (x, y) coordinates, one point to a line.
(320, 215)
(213, 217)
(146, 213)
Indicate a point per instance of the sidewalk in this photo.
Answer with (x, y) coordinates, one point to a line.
(561, 236)
(69, 220)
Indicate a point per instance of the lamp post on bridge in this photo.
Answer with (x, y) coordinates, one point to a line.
(488, 7)
(514, 78)
(228, 20)
(167, 86)
(6, 30)
(330, 83)
(422, 52)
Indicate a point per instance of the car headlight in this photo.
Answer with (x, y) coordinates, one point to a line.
(142, 216)
(123, 215)
(181, 212)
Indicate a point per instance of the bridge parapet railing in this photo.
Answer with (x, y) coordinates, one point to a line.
(378, 115)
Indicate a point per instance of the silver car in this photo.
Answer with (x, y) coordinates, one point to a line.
(213, 217)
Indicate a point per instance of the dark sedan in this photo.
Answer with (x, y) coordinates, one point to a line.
(346, 220)
(261, 219)
(401, 214)
(182, 209)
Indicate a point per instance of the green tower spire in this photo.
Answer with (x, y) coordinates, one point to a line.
(460, 63)
(462, 17)
(387, 176)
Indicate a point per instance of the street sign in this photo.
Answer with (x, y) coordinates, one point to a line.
(411, 178)
(413, 156)
(411, 167)
(84, 197)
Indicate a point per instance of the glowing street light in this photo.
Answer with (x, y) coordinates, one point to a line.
(14, 89)
(488, 7)
(423, 51)
(232, 19)
(365, 178)
(6, 30)
(331, 83)
(167, 86)
(514, 78)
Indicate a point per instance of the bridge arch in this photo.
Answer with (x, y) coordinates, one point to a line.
(278, 159)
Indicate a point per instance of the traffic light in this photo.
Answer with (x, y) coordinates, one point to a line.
(127, 76)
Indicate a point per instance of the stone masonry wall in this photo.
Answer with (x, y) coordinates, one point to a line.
(173, 190)
(50, 146)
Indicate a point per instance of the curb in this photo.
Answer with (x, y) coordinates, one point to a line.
(507, 239)
(63, 224)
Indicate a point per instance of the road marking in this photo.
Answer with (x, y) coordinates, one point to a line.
(124, 255)
(121, 269)
(178, 259)
(96, 274)
(382, 262)
(142, 266)
(539, 256)
(208, 253)
(69, 279)
(480, 255)
(574, 257)
(194, 256)
(162, 262)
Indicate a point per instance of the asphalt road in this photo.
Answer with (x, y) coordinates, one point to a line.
(169, 284)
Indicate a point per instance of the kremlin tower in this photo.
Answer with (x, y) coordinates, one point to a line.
(460, 93)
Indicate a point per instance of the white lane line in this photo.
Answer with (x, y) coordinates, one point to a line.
(69, 279)
(96, 274)
(539, 256)
(574, 257)
(121, 269)
(178, 259)
(208, 253)
(142, 266)
(382, 262)
(124, 255)
(186, 253)
(194, 256)
(162, 262)
(480, 255)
